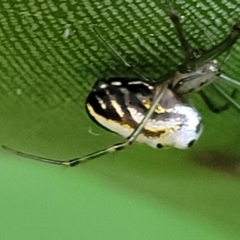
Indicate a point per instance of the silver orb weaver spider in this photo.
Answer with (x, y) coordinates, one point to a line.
(154, 111)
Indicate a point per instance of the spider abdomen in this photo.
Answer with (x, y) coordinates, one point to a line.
(120, 104)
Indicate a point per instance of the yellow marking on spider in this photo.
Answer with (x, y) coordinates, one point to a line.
(166, 129)
(122, 129)
(148, 104)
(102, 103)
(117, 108)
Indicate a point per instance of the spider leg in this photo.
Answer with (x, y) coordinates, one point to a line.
(223, 46)
(194, 57)
(120, 57)
(187, 49)
(160, 89)
(229, 80)
(225, 95)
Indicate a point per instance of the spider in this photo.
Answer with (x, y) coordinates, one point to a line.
(154, 111)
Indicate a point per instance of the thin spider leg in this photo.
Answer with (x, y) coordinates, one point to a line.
(229, 80)
(160, 89)
(120, 57)
(179, 31)
(224, 94)
(223, 46)
(71, 162)
(34, 157)
(210, 104)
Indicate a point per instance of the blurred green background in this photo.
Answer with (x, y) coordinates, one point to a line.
(49, 59)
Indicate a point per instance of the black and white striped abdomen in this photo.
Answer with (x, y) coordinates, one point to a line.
(119, 105)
